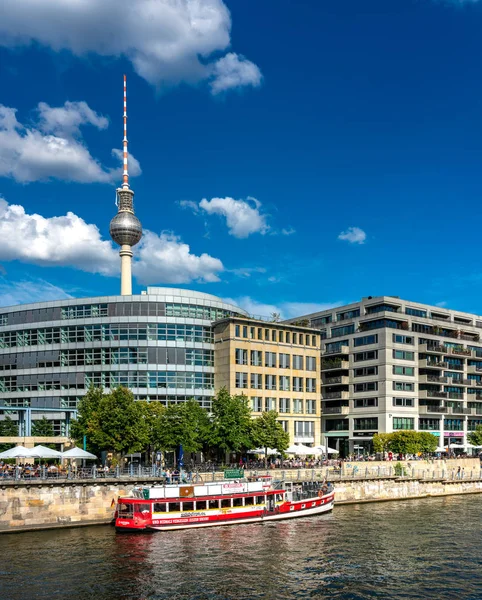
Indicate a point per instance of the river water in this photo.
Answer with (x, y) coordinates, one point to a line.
(429, 548)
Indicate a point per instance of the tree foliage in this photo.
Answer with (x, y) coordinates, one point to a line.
(475, 437)
(42, 428)
(268, 433)
(8, 428)
(185, 424)
(231, 429)
(405, 442)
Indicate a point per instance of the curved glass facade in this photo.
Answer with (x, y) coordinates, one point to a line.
(160, 344)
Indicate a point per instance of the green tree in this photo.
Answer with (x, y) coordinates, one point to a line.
(118, 423)
(475, 437)
(231, 429)
(381, 442)
(268, 433)
(427, 442)
(42, 428)
(85, 411)
(8, 428)
(185, 424)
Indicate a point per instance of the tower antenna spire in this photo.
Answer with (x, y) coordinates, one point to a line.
(125, 176)
(125, 227)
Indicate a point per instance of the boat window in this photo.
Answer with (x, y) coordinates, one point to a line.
(279, 497)
(226, 503)
(174, 506)
(249, 501)
(259, 499)
(188, 506)
(125, 510)
(160, 507)
(237, 502)
(201, 505)
(213, 503)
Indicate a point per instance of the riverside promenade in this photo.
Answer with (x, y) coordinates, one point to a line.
(88, 497)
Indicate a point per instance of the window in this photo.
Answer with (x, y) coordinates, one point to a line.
(249, 501)
(256, 381)
(346, 330)
(403, 402)
(241, 380)
(241, 356)
(297, 384)
(361, 356)
(201, 505)
(281, 336)
(301, 340)
(453, 425)
(369, 386)
(365, 402)
(266, 335)
(213, 504)
(429, 424)
(270, 359)
(273, 335)
(402, 386)
(403, 355)
(237, 502)
(304, 429)
(298, 407)
(310, 384)
(187, 506)
(288, 337)
(252, 331)
(336, 425)
(284, 383)
(310, 363)
(365, 371)
(403, 339)
(256, 358)
(284, 405)
(260, 333)
(159, 507)
(245, 331)
(259, 499)
(284, 425)
(323, 321)
(226, 503)
(402, 423)
(256, 404)
(397, 370)
(270, 382)
(297, 362)
(365, 340)
(310, 407)
(295, 338)
(307, 340)
(237, 331)
(370, 424)
(349, 314)
(376, 308)
(269, 404)
(284, 361)
(415, 312)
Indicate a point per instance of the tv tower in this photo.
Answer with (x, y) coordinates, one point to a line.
(125, 228)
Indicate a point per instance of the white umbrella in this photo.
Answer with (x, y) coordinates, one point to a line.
(79, 453)
(468, 445)
(17, 452)
(44, 452)
(440, 449)
(456, 446)
(301, 449)
(326, 450)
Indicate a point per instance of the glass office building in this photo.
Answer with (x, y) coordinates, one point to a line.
(159, 344)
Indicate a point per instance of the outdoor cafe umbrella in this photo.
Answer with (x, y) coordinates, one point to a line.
(453, 446)
(44, 452)
(300, 449)
(78, 453)
(271, 451)
(16, 452)
(325, 450)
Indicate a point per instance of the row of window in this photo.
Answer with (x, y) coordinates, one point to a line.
(275, 335)
(371, 402)
(283, 383)
(370, 424)
(107, 356)
(273, 360)
(155, 332)
(107, 379)
(189, 505)
(284, 405)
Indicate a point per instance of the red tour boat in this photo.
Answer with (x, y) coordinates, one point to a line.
(180, 506)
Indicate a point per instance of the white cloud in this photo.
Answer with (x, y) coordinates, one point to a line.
(167, 41)
(288, 231)
(287, 310)
(25, 292)
(354, 235)
(53, 149)
(243, 217)
(165, 258)
(234, 71)
(189, 204)
(69, 241)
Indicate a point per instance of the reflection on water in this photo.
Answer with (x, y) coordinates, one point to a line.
(418, 549)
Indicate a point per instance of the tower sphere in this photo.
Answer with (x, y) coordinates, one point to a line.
(125, 229)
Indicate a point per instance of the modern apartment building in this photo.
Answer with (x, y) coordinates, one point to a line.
(277, 366)
(390, 364)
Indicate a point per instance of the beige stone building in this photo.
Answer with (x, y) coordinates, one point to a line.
(277, 366)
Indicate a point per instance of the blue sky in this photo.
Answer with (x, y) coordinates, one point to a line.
(288, 154)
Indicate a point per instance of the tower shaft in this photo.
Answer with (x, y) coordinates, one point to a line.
(126, 270)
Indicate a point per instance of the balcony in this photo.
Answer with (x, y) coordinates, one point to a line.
(338, 350)
(428, 410)
(461, 351)
(432, 379)
(431, 394)
(474, 369)
(455, 396)
(336, 410)
(455, 367)
(339, 395)
(330, 365)
(432, 349)
(341, 380)
(461, 411)
(432, 364)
